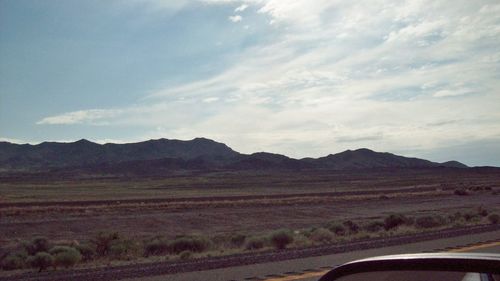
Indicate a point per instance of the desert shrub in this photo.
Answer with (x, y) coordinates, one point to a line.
(255, 243)
(301, 241)
(65, 256)
(456, 216)
(102, 242)
(281, 238)
(37, 244)
(185, 255)
(429, 221)
(193, 244)
(482, 212)
(238, 239)
(336, 228)
(156, 247)
(321, 235)
(471, 216)
(41, 260)
(14, 261)
(460, 192)
(87, 251)
(393, 221)
(123, 249)
(351, 226)
(494, 218)
(374, 226)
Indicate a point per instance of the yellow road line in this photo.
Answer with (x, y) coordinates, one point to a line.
(298, 277)
(475, 247)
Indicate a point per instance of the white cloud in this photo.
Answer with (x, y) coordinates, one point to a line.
(210, 99)
(235, 18)
(340, 74)
(93, 116)
(241, 8)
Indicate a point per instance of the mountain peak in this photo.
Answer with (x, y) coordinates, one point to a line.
(200, 151)
(84, 141)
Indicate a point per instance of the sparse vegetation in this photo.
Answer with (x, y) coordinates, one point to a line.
(255, 243)
(156, 247)
(14, 260)
(42, 260)
(185, 255)
(65, 256)
(113, 246)
(281, 238)
(393, 221)
(494, 218)
(336, 228)
(482, 212)
(461, 192)
(103, 241)
(429, 221)
(124, 249)
(122, 244)
(321, 235)
(351, 226)
(374, 226)
(87, 252)
(37, 244)
(238, 239)
(194, 244)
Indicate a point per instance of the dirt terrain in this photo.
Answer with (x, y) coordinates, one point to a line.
(246, 203)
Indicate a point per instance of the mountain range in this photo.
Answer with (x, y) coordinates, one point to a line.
(163, 155)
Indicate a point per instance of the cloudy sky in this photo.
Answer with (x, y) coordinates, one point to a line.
(301, 78)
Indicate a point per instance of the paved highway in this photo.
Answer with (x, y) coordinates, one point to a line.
(310, 269)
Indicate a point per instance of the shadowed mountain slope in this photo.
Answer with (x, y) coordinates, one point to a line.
(84, 152)
(198, 154)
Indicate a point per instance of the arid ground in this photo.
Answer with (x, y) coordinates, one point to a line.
(223, 203)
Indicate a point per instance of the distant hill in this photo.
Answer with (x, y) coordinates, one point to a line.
(365, 158)
(84, 152)
(163, 155)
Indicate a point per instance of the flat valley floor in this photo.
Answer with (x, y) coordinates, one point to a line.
(221, 203)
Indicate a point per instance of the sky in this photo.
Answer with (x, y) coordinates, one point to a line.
(303, 78)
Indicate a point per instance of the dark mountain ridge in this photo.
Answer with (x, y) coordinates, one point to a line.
(198, 154)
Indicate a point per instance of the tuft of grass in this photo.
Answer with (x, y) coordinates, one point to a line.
(472, 217)
(194, 244)
(300, 241)
(102, 242)
(42, 260)
(185, 255)
(321, 235)
(374, 226)
(494, 218)
(351, 226)
(281, 238)
(429, 221)
(238, 239)
(255, 243)
(65, 256)
(124, 249)
(15, 260)
(482, 212)
(460, 192)
(336, 228)
(37, 244)
(395, 220)
(156, 247)
(88, 252)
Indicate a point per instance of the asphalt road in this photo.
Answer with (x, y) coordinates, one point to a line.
(310, 269)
